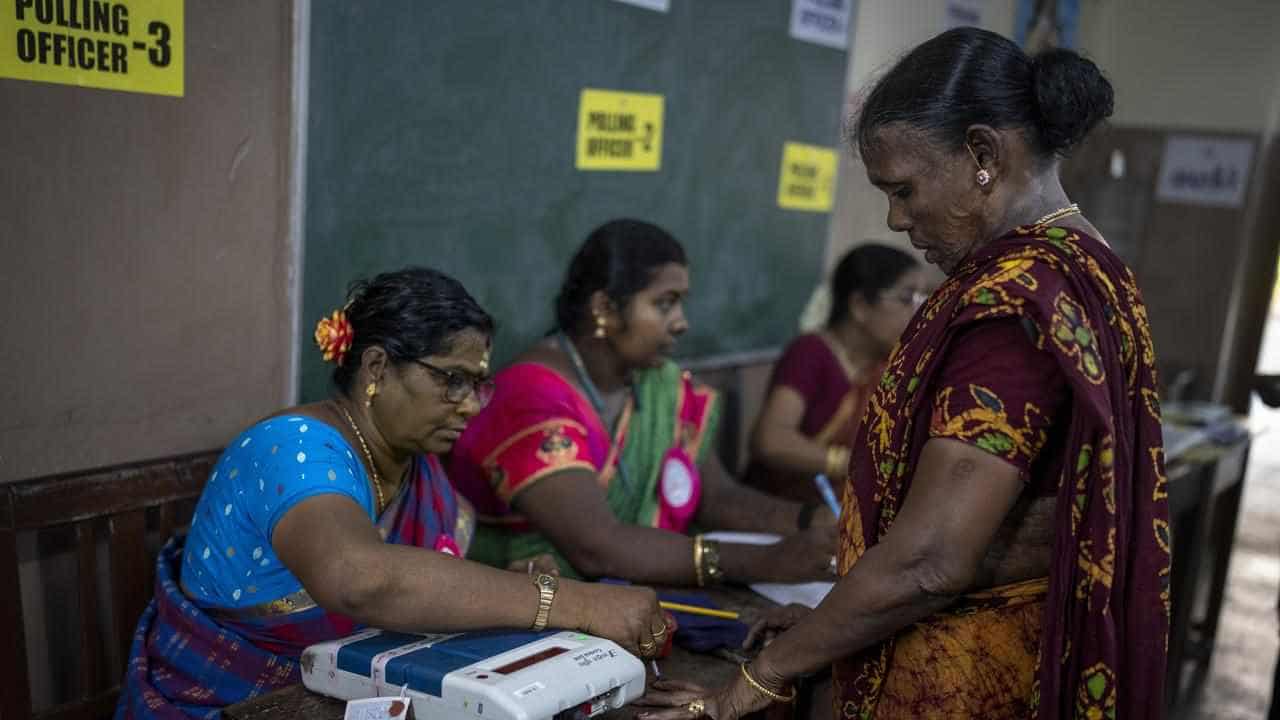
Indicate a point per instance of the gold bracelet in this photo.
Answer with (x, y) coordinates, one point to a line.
(779, 697)
(697, 559)
(838, 462)
(711, 562)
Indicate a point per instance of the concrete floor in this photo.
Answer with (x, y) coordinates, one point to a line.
(1241, 672)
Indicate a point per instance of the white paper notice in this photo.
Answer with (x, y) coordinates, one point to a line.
(825, 22)
(1200, 170)
(659, 5)
(808, 594)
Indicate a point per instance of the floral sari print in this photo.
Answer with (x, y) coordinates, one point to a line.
(1104, 626)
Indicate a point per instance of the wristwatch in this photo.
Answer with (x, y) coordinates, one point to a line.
(547, 586)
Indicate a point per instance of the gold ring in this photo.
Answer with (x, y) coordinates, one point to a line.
(648, 648)
(697, 707)
(658, 633)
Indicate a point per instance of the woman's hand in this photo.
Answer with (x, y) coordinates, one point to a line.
(627, 615)
(807, 555)
(774, 621)
(675, 700)
(544, 564)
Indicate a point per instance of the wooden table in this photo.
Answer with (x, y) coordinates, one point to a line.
(710, 670)
(1205, 487)
(1204, 496)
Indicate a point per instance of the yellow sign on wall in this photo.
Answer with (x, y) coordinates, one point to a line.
(619, 130)
(133, 45)
(807, 179)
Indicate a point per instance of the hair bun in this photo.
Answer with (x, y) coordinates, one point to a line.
(1072, 96)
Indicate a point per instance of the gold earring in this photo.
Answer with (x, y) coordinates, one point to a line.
(370, 390)
(982, 176)
(601, 332)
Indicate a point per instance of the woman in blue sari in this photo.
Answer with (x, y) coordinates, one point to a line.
(335, 515)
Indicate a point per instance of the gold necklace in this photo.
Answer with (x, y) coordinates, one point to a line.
(1058, 214)
(377, 481)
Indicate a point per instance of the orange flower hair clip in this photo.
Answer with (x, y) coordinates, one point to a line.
(334, 335)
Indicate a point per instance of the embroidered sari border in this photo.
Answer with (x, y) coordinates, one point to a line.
(529, 430)
(294, 602)
(506, 492)
(687, 392)
(615, 445)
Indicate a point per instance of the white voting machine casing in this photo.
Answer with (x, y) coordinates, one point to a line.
(479, 675)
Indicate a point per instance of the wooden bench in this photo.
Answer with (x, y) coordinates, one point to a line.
(131, 509)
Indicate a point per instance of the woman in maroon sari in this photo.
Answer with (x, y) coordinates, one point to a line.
(822, 381)
(1005, 542)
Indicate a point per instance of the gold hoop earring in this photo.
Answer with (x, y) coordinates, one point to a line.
(601, 331)
(370, 390)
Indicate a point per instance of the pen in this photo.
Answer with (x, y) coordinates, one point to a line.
(698, 610)
(828, 495)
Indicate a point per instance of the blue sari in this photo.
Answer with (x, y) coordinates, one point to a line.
(190, 660)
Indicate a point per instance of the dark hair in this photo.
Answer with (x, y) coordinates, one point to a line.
(411, 313)
(619, 257)
(869, 270)
(970, 76)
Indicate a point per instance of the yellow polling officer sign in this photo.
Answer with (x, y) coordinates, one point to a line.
(619, 130)
(133, 45)
(807, 179)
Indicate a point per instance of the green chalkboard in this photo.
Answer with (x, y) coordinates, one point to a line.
(442, 132)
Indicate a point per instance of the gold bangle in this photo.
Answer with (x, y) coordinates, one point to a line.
(838, 462)
(711, 562)
(779, 697)
(697, 559)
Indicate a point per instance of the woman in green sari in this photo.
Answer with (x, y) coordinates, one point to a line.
(596, 449)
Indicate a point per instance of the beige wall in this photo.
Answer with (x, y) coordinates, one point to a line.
(1187, 63)
(1174, 63)
(1181, 65)
(146, 253)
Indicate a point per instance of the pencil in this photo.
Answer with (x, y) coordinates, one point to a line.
(698, 610)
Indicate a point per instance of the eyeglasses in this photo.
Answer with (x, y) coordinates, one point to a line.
(915, 298)
(458, 385)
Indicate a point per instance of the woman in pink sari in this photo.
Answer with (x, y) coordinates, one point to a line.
(597, 445)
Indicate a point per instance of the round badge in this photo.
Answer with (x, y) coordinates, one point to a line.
(677, 483)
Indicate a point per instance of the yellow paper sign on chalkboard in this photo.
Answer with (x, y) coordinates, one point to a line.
(807, 179)
(133, 45)
(619, 131)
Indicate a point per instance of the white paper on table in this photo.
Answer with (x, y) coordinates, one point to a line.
(378, 708)
(808, 594)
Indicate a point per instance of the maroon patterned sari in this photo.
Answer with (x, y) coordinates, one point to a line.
(1103, 619)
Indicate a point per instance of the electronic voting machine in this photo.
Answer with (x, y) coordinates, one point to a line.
(491, 675)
